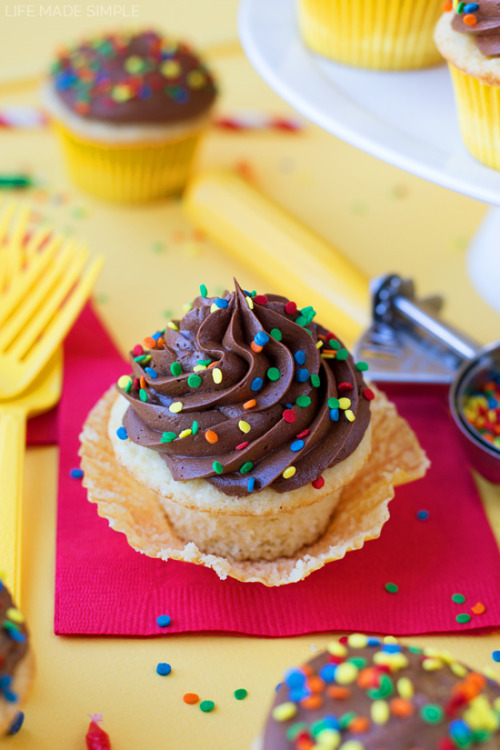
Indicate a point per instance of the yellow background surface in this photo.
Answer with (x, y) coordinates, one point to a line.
(380, 217)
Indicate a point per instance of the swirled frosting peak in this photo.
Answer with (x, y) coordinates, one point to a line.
(482, 21)
(246, 391)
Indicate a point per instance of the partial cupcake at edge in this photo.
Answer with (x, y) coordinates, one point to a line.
(252, 440)
(130, 109)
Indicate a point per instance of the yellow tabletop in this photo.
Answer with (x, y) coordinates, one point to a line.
(381, 218)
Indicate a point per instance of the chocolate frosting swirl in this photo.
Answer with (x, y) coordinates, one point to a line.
(486, 27)
(130, 79)
(266, 408)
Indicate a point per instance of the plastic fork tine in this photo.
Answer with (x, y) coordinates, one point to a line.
(5, 221)
(15, 245)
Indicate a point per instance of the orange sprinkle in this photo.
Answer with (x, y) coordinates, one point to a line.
(315, 684)
(304, 743)
(212, 364)
(150, 342)
(211, 436)
(478, 608)
(359, 725)
(307, 670)
(190, 698)
(250, 404)
(312, 702)
(143, 382)
(447, 5)
(476, 679)
(339, 692)
(160, 343)
(470, 19)
(255, 347)
(401, 707)
(368, 677)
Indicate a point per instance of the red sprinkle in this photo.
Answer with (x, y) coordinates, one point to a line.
(318, 483)
(368, 394)
(445, 744)
(290, 308)
(289, 416)
(330, 336)
(136, 384)
(342, 387)
(96, 738)
(302, 434)
(242, 445)
(260, 299)
(137, 350)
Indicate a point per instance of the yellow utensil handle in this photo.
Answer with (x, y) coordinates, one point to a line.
(12, 448)
(292, 259)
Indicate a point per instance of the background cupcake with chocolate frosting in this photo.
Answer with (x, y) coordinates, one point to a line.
(130, 109)
(468, 37)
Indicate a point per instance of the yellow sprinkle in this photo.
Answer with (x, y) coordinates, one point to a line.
(199, 368)
(176, 407)
(393, 661)
(458, 669)
(349, 415)
(15, 615)
(490, 674)
(336, 649)
(244, 426)
(213, 307)
(328, 739)
(217, 375)
(380, 712)
(289, 473)
(480, 716)
(405, 687)
(170, 69)
(284, 711)
(390, 639)
(172, 325)
(187, 306)
(344, 403)
(196, 79)
(319, 344)
(357, 640)
(431, 665)
(185, 433)
(249, 302)
(346, 673)
(123, 381)
(352, 745)
(328, 355)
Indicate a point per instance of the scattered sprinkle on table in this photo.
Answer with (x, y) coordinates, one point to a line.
(478, 609)
(458, 598)
(163, 621)
(496, 655)
(423, 515)
(392, 588)
(463, 618)
(241, 693)
(76, 473)
(163, 669)
(207, 706)
(190, 698)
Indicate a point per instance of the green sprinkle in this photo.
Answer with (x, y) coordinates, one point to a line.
(204, 361)
(303, 401)
(358, 661)
(240, 694)
(333, 403)
(207, 706)
(384, 690)
(334, 344)
(415, 649)
(247, 466)
(194, 381)
(432, 713)
(346, 719)
(194, 428)
(458, 598)
(167, 437)
(176, 369)
(392, 588)
(217, 467)
(276, 334)
(361, 366)
(141, 358)
(143, 395)
(204, 293)
(273, 373)
(315, 380)
(342, 354)
(462, 618)
(301, 321)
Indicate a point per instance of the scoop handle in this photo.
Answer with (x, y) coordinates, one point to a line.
(292, 259)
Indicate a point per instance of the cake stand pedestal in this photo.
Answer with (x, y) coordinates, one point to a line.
(406, 119)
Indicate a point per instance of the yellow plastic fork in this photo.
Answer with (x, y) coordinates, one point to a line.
(45, 281)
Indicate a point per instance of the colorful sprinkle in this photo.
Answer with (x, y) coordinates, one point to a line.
(458, 598)
(176, 369)
(244, 426)
(303, 401)
(463, 618)
(176, 407)
(276, 334)
(251, 484)
(217, 375)
(122, 433)
(190, 698)
(168, 437)
(163, 669)
(289, 416)
(250, 404)
(218, 467)
(257, 384)
(247, 466)
(211, 436)
(273, 374)
(289, 472)
(163, 621)
(318, 483)
(76, 473)
(207, 706)
(422, 515)
(392, 588)
(240, 694)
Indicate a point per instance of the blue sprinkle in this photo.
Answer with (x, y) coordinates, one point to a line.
(163, 668)
(76, 473)
(470, 7)
(300, 357)
(221, 302)
(423, 515)
(327, 673)
(331, 722)
(278, 686)
(251, 484)
(261, 338)
(496, 655)
(145, 92)
(163, 621)
(298, 695)
(10, 696)
(17, 636)
(65, 80)
(391, 648)
(297, 445)
(302, 375)
(17, 723)
(334, 415)
(289, 406)
(460, 730)
(295, 678)
(257, 384)
(156, 335)
(122, 433)
(492, 402)
(152, 373)
(5, 681)
(372, 641)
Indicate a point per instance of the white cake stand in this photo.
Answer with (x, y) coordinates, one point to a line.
(407, 119)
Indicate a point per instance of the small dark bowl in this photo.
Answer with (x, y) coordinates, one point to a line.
(470, 378)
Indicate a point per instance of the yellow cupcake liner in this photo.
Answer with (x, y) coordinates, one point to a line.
(130, 172)
(478, 108)
(379, 34)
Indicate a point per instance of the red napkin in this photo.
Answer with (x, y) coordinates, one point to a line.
(103, 587)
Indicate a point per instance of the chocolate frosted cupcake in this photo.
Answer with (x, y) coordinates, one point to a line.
(367, 693)
(16, 664)
(130, 109)
(247, 420)
(468, 37)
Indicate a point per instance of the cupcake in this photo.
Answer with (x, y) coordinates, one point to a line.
(130, 110)
(245, 421)
(468, 37)
(380, 34)
(16, 664)
(366, 693)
